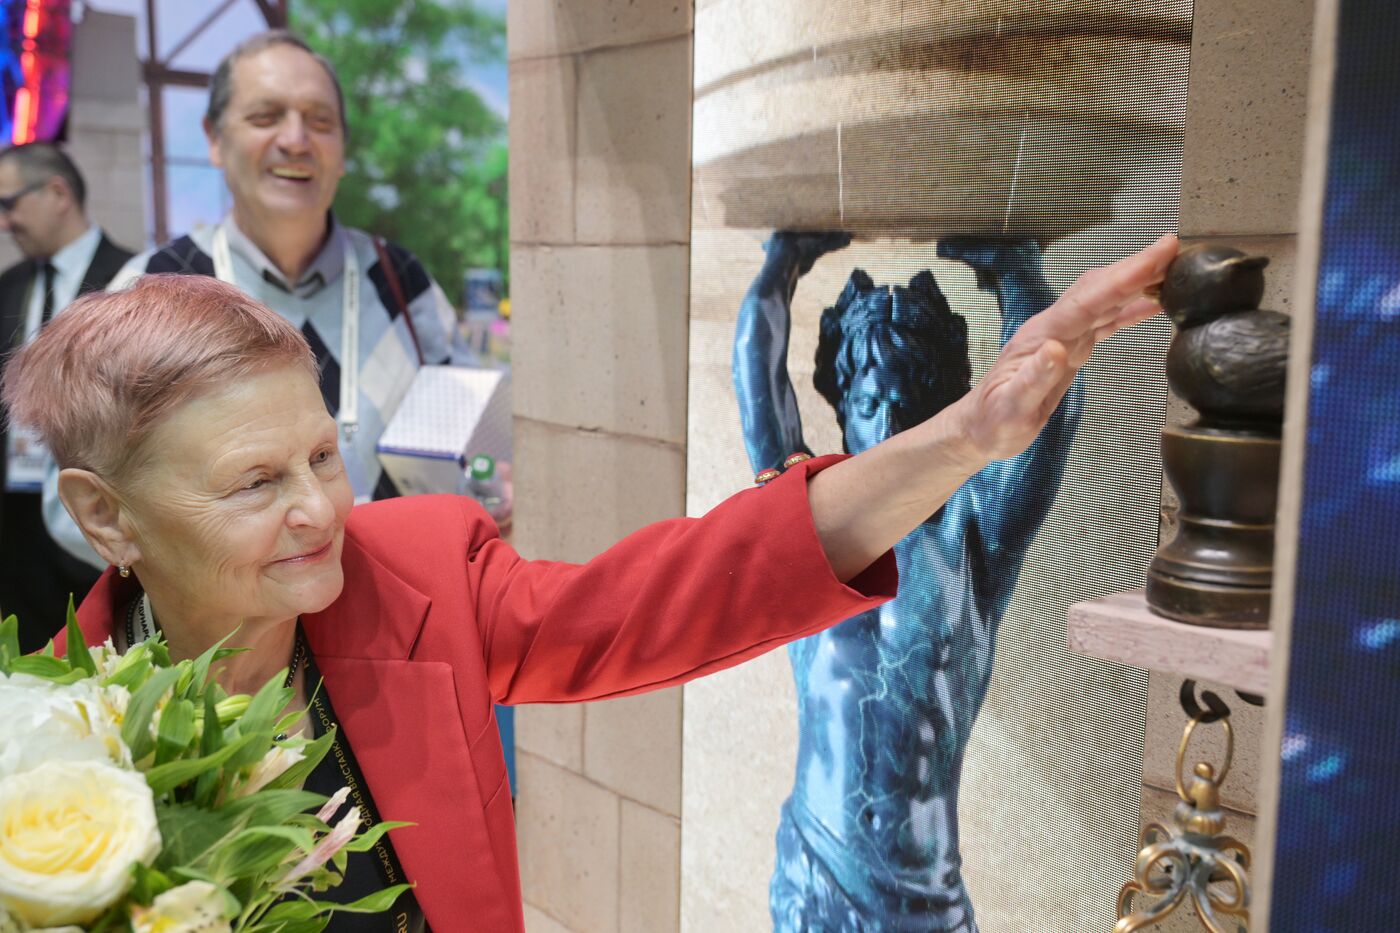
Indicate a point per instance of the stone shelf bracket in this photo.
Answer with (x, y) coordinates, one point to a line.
(1121, 628)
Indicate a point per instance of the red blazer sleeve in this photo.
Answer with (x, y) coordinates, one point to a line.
(669, 603)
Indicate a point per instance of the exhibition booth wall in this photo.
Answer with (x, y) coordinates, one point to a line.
(106, 123)
(648, 167)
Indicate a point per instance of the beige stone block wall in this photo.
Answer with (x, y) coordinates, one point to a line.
(105, 126)
(1242, 171)
(1247, 104)
(600, 231)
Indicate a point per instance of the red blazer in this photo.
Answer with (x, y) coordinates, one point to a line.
(440, 619)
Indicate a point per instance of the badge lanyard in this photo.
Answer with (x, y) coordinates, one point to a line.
(26, 455)
(349, 414)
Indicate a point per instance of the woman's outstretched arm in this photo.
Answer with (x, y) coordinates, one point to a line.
(863, 505)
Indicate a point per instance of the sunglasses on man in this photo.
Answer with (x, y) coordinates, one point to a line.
(8, 202)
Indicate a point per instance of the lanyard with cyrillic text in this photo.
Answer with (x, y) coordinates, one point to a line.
(349, 414)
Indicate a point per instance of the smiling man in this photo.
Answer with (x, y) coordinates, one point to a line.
(43, 209)
(276, 127)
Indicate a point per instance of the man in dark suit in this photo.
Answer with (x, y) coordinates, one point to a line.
(42, 197)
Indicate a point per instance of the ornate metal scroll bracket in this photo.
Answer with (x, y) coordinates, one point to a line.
(1192, 860)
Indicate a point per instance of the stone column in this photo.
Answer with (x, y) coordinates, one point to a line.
(600, 95)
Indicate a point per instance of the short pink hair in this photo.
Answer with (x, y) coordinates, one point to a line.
(102, 374)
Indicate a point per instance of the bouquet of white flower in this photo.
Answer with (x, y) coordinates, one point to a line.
(135, 795)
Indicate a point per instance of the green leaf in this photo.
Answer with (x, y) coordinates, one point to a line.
(289, 910)
(9, 642)
(149, 884)
(132, 671)
(40, 666)
(314, 751)
(136, 729)
(366, 840)
(198, 672)
(206, 787)
(164, 778)
(184, 873)
(314, 925)
(260, 717)
(288, 720)
(259, 849)
(271, 807)
(78, 654)
(160, 651)
(376, 902)
(115, 914)
(187, 833)
(176, 731)
(299, 910)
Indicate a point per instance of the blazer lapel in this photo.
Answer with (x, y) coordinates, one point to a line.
(97, 615)
(402, 720)
(106, 263)
(14, 301)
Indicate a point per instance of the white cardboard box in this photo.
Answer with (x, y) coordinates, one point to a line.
(449, 412)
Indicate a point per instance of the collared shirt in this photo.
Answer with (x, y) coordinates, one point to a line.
(70, 265)
(388, 358)
(388, 355)
(325, 268)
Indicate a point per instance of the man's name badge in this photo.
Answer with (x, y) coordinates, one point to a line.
(26, 458)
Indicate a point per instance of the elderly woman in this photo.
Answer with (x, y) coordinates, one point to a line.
(199, 460)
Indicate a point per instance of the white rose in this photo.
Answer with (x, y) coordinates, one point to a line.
(195, 907)
(9, 924)
(45, 721)
(69, 834)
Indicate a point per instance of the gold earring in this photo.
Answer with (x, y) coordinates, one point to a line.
(123, 570)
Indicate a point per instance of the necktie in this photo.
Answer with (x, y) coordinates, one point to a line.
(48, 270)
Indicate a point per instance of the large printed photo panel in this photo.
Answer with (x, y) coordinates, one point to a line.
(883, 193)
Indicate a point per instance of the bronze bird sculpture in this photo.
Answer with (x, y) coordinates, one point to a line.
(1228, 359)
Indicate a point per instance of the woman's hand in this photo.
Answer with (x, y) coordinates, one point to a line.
(1006, 410)
(864, 505)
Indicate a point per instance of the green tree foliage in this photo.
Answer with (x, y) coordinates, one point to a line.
(426, 157)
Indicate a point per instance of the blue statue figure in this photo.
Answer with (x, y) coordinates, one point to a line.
(869, 837)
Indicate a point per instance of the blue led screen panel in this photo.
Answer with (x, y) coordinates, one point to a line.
(1339, 812)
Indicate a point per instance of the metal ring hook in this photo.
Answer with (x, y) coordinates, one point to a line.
(1215, 710)
(1219, 777)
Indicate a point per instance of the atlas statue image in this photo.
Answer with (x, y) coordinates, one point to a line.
(868, 839)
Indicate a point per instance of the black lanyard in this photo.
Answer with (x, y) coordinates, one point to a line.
(405, 916)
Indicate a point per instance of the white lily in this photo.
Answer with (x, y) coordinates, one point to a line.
(270, 767)
(331, 843)
(333, 805)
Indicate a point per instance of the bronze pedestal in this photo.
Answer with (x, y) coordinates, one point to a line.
(1218, 568)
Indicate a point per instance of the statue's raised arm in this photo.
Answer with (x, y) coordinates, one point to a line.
(767, 403)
